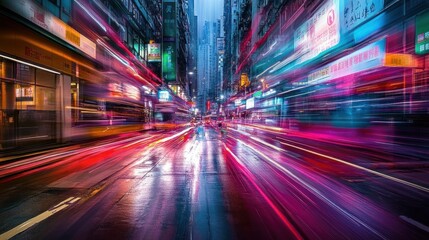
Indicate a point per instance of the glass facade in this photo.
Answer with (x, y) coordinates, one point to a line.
(28, 104)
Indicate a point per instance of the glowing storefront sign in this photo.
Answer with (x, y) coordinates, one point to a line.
(319, 33)
(163, 96)
(422, 33)
(368, 57)
(52, 24)
(269, 92)
(244, 80)
(400, 60)
(257, 94)
(355, 12)
(238, 102)
(169, 48)
(154, 52)
(250, 103)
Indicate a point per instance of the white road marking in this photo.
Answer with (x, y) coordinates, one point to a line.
(39, 218)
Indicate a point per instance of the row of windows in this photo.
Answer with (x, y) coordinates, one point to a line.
(135, 42)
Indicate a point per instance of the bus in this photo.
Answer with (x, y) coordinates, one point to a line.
(171, 115)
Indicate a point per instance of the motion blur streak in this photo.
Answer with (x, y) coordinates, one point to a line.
(312, 189)
(260, 191)
(173, 136)
(91, 15)
(421, 188)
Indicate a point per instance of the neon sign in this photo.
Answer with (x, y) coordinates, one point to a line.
(319, 33)
(368, 57)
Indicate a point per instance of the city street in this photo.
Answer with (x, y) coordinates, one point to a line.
(214, 119)
(194, 183)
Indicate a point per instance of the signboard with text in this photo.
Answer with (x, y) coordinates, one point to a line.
(250, 103)
(44, 19)
(368, 57)
(154, 52)
(169, 56)
(355, 12)
(400, 60)
(244, 80)
(422, 33)
(169, 62)
(164, 96)
(319, 33)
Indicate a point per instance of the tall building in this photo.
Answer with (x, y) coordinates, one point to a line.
(193, 51)
(204, 68)
(175, 53)
(232, 41)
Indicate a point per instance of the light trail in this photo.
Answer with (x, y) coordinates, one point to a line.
(398, 180)
(173, 136)
(267, 199)
(315, 191)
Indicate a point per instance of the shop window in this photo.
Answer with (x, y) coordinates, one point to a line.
(25, 73)
(45, 99)
(130, 38)
(136, 44)
(45, 78)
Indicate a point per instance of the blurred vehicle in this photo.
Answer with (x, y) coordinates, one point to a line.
(171, 115)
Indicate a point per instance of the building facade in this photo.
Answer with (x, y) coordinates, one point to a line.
(342, 65)
(176, 44)
(72, 69)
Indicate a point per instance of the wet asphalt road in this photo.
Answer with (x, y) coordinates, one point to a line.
(194, 184)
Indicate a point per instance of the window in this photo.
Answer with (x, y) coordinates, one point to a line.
(25, 73)
(45, 78)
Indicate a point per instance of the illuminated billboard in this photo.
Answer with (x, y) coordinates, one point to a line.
(355, 12)
(164, 96)
(169, 55)
(319, 33)
(422, 33)
(238, 102)
(154, 52)
(44, 19)
(244, 80)
(368, 57)
(250, 103)
(169, 62)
